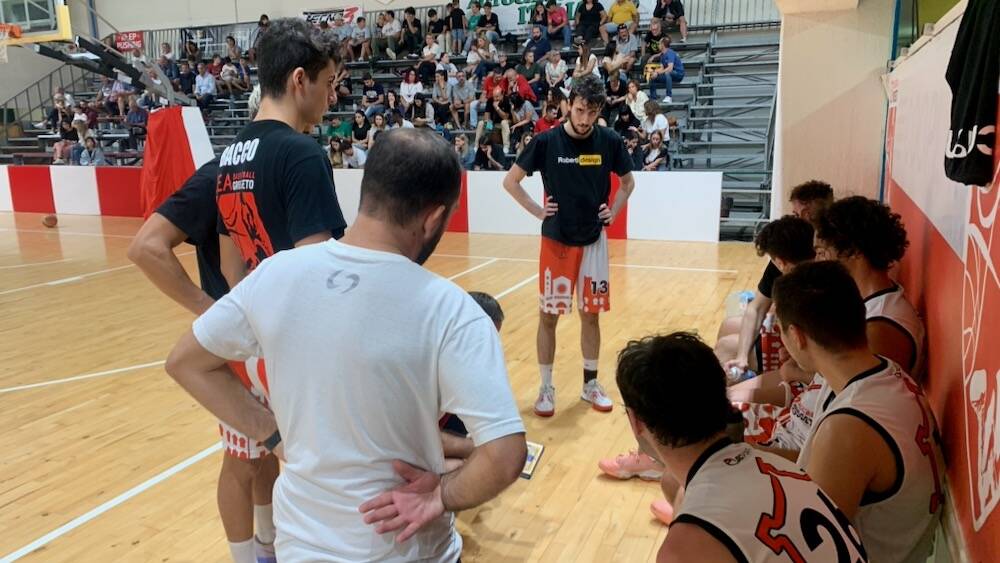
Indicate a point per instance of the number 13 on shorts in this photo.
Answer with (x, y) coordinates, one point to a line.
(564, 268)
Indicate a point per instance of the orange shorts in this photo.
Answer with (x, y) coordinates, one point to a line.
(563, 269)
(253, 376)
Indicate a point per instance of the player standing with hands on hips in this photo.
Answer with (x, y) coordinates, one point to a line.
(576, 162)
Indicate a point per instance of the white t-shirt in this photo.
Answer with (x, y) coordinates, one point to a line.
(364, 352)
(658, 124)
(593, 58)
(392, 28)
(434, 50)
(408, 90)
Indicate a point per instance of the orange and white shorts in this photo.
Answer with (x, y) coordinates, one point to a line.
(563, 269)
(253, 376)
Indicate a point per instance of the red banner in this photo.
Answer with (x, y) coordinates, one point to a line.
(126, 42)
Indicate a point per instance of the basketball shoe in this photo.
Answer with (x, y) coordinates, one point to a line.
(594, 394)
(632, 464)
(545, 404)
(663, 510)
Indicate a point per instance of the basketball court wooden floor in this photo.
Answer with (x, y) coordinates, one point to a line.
(106, 459)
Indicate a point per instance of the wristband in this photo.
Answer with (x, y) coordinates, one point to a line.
(272, 441)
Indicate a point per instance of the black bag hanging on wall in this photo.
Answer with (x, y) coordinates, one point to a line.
(974, 77)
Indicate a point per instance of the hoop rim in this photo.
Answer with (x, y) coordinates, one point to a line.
(12, 30)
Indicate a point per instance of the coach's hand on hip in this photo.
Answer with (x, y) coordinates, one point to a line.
(408, 507)
(550, 209)
(604, 214)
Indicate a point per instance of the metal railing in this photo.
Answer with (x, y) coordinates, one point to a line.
(704, 13)
(32, 104)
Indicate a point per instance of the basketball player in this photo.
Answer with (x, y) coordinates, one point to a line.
(873, 443)
(736, 344)
(365, 349)
(248, 472)
(740, 504)
(275, 188)
(576, 161)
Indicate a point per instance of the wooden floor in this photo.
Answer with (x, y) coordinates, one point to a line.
(107, 460)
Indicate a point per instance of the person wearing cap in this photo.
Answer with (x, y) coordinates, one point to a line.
(625, 51)
(622, 12)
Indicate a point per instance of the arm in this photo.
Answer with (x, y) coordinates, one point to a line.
(621, 198)
(490, 469)
(845, 455)
(886, 339)
(234, 269)
(152, 250)
(790, 455)
(690, 542)
(752, 318)
(206, 378)
(512, 183)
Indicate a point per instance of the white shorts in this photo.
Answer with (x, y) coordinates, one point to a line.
(253, 376)
(563, 268)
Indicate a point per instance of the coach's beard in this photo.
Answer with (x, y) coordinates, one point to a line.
(577, 130)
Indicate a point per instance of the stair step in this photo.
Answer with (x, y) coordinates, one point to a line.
(734, 118)
(725, 143)
(740, 74)
(742, 86)
(731, 106)
(744, 64)
(736, 96)
(724, 130)
(718, 156)
(752, 44)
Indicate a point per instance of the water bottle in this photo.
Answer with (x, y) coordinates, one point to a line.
(735, 376)
(737, 303)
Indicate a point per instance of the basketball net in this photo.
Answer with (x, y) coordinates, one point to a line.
(6, 32)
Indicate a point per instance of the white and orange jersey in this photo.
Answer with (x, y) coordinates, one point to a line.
(891, 305)
(765, 509)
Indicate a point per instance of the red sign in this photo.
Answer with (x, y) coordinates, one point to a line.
(128, 41)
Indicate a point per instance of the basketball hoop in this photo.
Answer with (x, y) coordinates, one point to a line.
(7, 31)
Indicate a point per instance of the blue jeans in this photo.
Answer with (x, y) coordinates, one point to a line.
(474, 110)
(373, 109)
(667, 80)
(457, 39)
(566, 33)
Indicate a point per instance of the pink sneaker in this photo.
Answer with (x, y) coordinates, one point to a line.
(632, 464)
(663, 510)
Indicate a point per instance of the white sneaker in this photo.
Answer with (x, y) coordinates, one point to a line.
(391, 53)
(594, 394)
(668, 100)
(545, 404)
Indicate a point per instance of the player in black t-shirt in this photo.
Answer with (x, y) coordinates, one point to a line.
(737, 341)
(275, 189)
(190, 215)
(575, 161)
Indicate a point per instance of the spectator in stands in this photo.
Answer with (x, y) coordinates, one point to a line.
(393, 105)
(82, 133)
(92, 155)
(412, 39)
(634, 150)
(652, 42)
(559, 24)
(671, 71)
(457, 24)
(489, 156)
(373, 100)
(78, 113)
(616, 89)
(627, 121)
(626, 48)
(59, 112)
(445, 64)
(441, 97)
(215, 67)
(359, 130)
(590, 19)
(514, 83)
(531, 72)
(472, 29)
(496, 116)
(409, 88)
(247, 82)
(379, 124)
(167, 51)
(873, 446)
(488, 57)
(655, 121)
(397, 121)
(428, 59)
(343, 31)
(186, 79)
(523, 117)
(102, 97)
(360, 46)
(464, 151)
(540, 16)
(490, 23)
(192, 52)
(636, 100)
(233, 51)
(622, 12)
(538, 44)
(524, 142)
(463, 94)
(549, 120)
(335, 154)
(67, 138)
(136, 120)
(229, 78)
(169, 69)
(352, 156)
(392, 32)
(91, 113)
(438, 29)
(137, 56)
(656, 153)
(586, 62)
(555, 71)
(420, 113)
(557, 97)
(671, 12)
(204, 88)
(262, 24)
(119, 96)
(337, 128)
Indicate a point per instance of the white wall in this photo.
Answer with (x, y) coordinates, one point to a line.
(831, 100)
(23, 68)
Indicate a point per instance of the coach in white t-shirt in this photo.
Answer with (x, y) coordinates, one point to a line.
(365, 350)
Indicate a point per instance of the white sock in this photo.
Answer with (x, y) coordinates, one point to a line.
(590, 365)
(242, 552)
(546, 371)
(263, 521)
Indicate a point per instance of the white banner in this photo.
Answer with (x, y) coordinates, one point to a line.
(514, 15)
(316, 17)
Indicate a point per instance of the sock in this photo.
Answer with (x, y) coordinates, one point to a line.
(546, 371)
(263, 519)
(242, 552)
(589, 370)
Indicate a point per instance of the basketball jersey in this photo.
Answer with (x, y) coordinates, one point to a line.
(763, 508)
(897, 525)
(891, 305)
